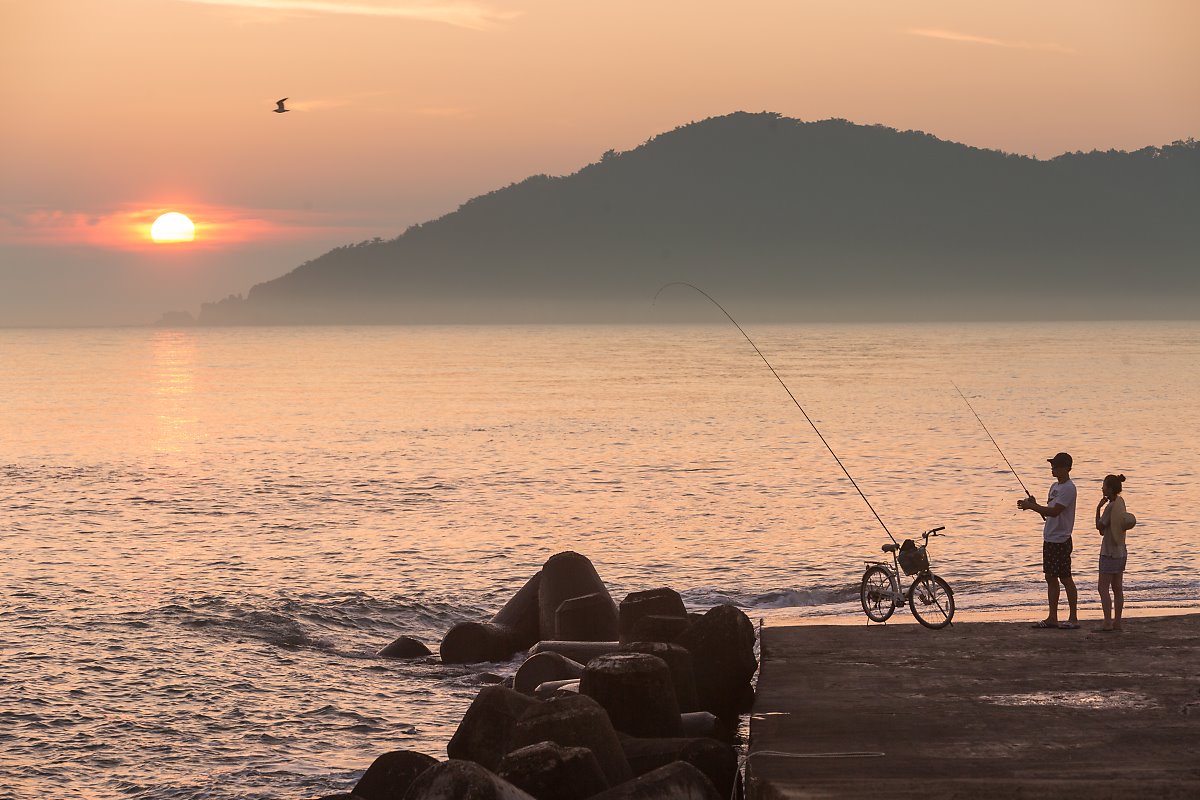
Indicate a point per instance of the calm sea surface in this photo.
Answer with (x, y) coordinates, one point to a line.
(205, 535)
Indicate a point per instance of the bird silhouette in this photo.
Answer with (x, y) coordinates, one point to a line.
(279, 109)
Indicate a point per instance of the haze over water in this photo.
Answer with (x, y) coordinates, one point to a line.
(207, 533)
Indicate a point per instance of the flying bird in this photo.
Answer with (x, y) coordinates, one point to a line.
(279, 109)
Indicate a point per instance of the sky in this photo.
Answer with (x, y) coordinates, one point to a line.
(115, 111)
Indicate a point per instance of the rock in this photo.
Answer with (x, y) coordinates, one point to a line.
(549, 689)
(717, 760)
(485, 733)
(405, 647)
(548, 771)
(545, 666)
(588, 618)
(513, 628)
(676, 781)
(663, 602)
(341, 796)
(390, 775)
(568, 575)
(658, 628)
(636, 691)
(575, 721)
(579, 652)
(462, 780)
(679, 659)
(723, 661)
(473, 642)
(699, 723)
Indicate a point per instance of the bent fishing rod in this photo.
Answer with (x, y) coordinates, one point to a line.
(789, 392)
(989, 434)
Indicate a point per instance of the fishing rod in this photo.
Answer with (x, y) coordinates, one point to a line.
(989, 433)
(786, 389)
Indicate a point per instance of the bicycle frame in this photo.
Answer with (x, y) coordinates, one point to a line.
(899, 595)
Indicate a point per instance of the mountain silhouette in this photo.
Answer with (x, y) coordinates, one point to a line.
(787, 221)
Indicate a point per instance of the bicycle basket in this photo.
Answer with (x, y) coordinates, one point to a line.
(912, 557)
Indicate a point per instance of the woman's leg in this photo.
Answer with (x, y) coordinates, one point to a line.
(1119, 597)
(1105, 600)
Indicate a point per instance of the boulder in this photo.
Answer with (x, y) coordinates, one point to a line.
(485, 733)
(636, 605)
(579, 652)
(568, 575)
(390, 775)
(549, 689)
(679, 659)
(587, 618)
(658, 628)
(637, 692)
(574, 721)
(512, 629)
(462, 780)
(548, 771)
(675, 781)
(405, 647)
(722, 647)
(545, 666)
(717, 760)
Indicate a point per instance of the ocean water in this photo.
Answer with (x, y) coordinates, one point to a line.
(205, 535)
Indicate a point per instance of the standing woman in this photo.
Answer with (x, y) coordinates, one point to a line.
(1112, 522)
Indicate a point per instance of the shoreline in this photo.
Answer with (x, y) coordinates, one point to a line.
(853, 615)
(984, 708)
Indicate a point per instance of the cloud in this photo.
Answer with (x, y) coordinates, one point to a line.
(967, 38)
(460, 14)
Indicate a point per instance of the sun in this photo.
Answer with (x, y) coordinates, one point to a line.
(172, 227)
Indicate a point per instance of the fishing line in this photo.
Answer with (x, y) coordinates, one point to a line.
(989, 433)
(786, 389)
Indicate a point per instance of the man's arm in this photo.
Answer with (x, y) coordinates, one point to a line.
(1029, 504)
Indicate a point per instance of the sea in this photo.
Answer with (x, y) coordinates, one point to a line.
(207, 534)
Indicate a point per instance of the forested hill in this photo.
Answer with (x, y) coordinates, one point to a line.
(788, 220)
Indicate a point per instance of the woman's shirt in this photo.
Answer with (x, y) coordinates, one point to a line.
(1112, 523)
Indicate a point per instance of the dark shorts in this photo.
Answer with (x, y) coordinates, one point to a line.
(1112, 565)
(1056, 559)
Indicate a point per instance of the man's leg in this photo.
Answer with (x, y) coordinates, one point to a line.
(1072, 597)
(1052, 597)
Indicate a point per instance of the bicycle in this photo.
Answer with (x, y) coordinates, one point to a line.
(930, 598)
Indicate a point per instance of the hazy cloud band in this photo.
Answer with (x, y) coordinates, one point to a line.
(461, 14)
(967, 38)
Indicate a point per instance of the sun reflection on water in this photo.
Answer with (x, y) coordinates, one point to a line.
(173, 384)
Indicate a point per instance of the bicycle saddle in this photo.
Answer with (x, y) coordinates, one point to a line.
(891, 548)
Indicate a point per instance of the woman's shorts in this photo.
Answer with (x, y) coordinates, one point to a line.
(1056, 559)
(1112, 565)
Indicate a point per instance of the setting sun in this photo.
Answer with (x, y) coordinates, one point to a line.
(172, 227)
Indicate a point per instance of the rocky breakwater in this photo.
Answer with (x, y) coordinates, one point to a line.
(613, 702)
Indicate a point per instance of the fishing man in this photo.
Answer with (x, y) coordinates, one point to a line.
(1059, 513)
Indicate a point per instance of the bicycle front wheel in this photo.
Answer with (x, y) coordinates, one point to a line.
(878, 600)
(931, 600)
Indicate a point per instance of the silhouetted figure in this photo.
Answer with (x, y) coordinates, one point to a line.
(1059, 513)
(279, 109)
(1112, 523)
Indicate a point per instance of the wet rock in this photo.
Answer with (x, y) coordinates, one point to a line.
(717, 760)
(722, 647)
(679, 659)
(462, 780)
(485, 733)
(569, 575)
(636, 691)
(542, 667)
(588, 618)
(575, 721)
(513, 628)
(390, 775)
(548, 771)
(579, 652)
(662, 602)
(405, 647)
(549, 689)
(676, 781)
(658, 628)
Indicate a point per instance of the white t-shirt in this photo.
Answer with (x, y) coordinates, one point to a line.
(1058, 529)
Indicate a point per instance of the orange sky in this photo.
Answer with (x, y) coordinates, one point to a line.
(114, 109)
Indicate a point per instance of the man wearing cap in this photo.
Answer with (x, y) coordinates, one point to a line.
(1059, 513)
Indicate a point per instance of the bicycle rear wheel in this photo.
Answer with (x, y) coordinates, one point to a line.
(931, 600)
(876, 595)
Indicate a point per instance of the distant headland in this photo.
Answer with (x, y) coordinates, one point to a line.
(789, 221)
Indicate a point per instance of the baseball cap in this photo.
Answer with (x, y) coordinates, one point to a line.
(1061, 458)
